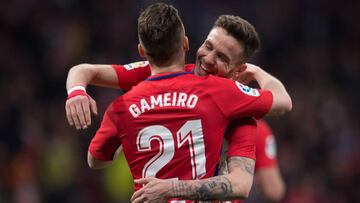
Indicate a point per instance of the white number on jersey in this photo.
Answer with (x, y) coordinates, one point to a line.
(191, 132)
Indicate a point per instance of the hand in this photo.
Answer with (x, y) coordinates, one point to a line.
(78, 111)
(155, 190)
(244, 73)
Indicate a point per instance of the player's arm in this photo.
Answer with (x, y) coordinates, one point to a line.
(281, 100)
(270, 183)
(95, 74)
(79, 104)
(105, 145)
(99, 164)
(235, 185)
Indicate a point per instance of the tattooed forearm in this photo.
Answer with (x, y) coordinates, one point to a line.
(245, 164)
(235, 185)
(181, 189)
(216, 188)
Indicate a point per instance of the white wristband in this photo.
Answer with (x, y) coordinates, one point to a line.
(78, 87)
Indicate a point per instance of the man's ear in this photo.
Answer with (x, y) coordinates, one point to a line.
(141, 50)
(186, 43)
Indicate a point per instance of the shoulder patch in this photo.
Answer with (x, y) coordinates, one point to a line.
(247, 90)
(134, 65)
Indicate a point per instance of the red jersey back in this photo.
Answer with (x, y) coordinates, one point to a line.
(172, 125)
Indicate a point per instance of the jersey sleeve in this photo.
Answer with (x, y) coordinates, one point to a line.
(240, 135)
(265, 146)
(106, 141)
(237, 100)
(131, 74)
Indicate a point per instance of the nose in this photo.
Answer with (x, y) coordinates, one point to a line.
(209, 59)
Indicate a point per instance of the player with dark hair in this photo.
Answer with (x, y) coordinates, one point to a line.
(147, 107)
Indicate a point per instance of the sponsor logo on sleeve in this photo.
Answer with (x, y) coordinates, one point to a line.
(247, 90)
(134, 65)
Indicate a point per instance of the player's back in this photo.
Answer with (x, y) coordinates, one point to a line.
(170, 127)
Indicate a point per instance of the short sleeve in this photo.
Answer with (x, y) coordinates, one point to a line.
(265, 146)
(106, 141)
(131, 74)
(237, 100)
(240, 135)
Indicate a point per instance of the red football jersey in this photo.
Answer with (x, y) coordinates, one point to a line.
(265, 146)
(172, 125)
(241, 137)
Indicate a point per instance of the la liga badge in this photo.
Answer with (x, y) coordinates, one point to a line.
(247, 90)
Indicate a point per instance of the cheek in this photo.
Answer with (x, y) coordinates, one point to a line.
(222, 70)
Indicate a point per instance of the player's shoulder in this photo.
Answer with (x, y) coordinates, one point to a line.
(138, 65)
(215, 82)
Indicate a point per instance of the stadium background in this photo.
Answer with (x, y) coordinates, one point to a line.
(312, 46)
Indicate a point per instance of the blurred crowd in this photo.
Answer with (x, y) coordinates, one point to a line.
(312, 46)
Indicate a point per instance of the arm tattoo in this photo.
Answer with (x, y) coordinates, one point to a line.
(216, 188)
(181, 189)
(245, 164)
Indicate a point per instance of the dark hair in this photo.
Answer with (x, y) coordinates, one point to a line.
(241, 30)
(160, 31)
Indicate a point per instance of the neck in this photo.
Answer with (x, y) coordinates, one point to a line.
(176, 67)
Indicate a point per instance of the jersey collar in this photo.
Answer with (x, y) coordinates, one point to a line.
(166, 75)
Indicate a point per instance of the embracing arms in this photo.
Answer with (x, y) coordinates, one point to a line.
(281, 100)
(79, 107)
(235, 185)
(99, 75)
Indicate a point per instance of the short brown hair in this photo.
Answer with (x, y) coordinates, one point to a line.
(160, 31)
(241, 30)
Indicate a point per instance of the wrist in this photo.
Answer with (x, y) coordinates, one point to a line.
(170, 193)
(76, 87)
(77, 90)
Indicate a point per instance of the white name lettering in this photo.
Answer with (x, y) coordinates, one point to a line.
(173, 99)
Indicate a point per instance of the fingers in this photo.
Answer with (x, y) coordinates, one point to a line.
(242, 67)
(68, 114)
(87, 114)
(74, 116)
(136, 195)
(78, 111)
(143, 180)
(93, 106)
(140, 199)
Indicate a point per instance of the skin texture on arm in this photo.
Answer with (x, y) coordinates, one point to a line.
(270, 183)
(95, 74)
(281, 100)
(235, 185)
